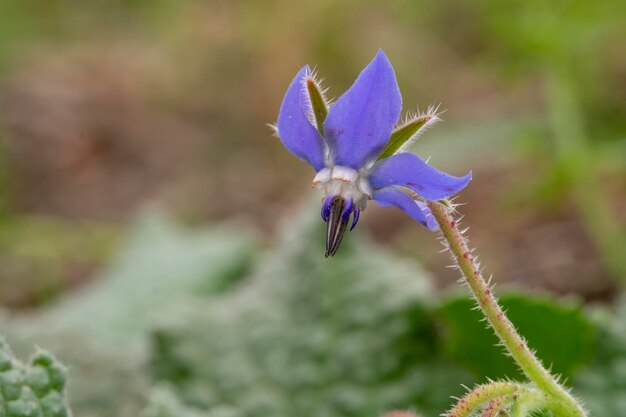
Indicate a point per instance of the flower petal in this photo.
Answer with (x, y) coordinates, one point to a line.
(418, 210)
(408, 170)
(294, 128)
(359, 124)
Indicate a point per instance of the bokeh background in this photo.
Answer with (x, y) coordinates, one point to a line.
(137, 172)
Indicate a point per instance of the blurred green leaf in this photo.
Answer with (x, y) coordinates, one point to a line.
(163, 402)
(602, 384)
(43, 251)
(102, 330)
(303, 335)
(561, 335)
(309, 336)
(160, 264)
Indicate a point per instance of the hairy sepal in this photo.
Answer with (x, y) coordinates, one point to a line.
(406, 133)
(319, 105)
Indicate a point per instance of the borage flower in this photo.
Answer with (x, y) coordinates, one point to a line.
(357, 153)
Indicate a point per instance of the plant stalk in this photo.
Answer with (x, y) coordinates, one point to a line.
(563, 403)
(480, 395)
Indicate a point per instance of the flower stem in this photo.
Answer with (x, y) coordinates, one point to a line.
(562, 402)
(481, 395)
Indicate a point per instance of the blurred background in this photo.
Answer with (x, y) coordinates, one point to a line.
(137, 171)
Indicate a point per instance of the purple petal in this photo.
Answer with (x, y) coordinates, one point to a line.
(359, 124)
(407, 169)
(347, 211)
(419, 211)
(355, 217)
(294, 127)
(326, 207)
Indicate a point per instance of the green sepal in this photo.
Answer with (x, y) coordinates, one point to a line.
(446, 203)
(406, 132)
(318, 103)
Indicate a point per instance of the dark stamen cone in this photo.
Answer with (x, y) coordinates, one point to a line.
(343, 226)
(335, 226)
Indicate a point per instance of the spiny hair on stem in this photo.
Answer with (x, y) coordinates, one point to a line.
(480, 391)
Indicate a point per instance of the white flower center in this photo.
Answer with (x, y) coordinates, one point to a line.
(344, 182)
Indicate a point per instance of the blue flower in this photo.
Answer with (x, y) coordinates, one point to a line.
(357, 153)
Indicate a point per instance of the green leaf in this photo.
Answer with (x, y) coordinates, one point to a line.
(101, 331)
(36, 389)
(602, 383)
(561, 335)
(407, 132)
(163, 402)
(310, 336)
(160, 264)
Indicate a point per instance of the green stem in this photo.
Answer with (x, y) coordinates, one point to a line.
(563, 403)
(529, 401)
(494, 407)
(481, 395)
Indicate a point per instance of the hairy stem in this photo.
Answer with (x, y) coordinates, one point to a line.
(528, 402)
(562, 402)
(494, 407)
(481, 395)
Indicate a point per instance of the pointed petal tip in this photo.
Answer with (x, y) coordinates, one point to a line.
(465, 180)
(381, 59)
(360, 122)
(380, 54)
